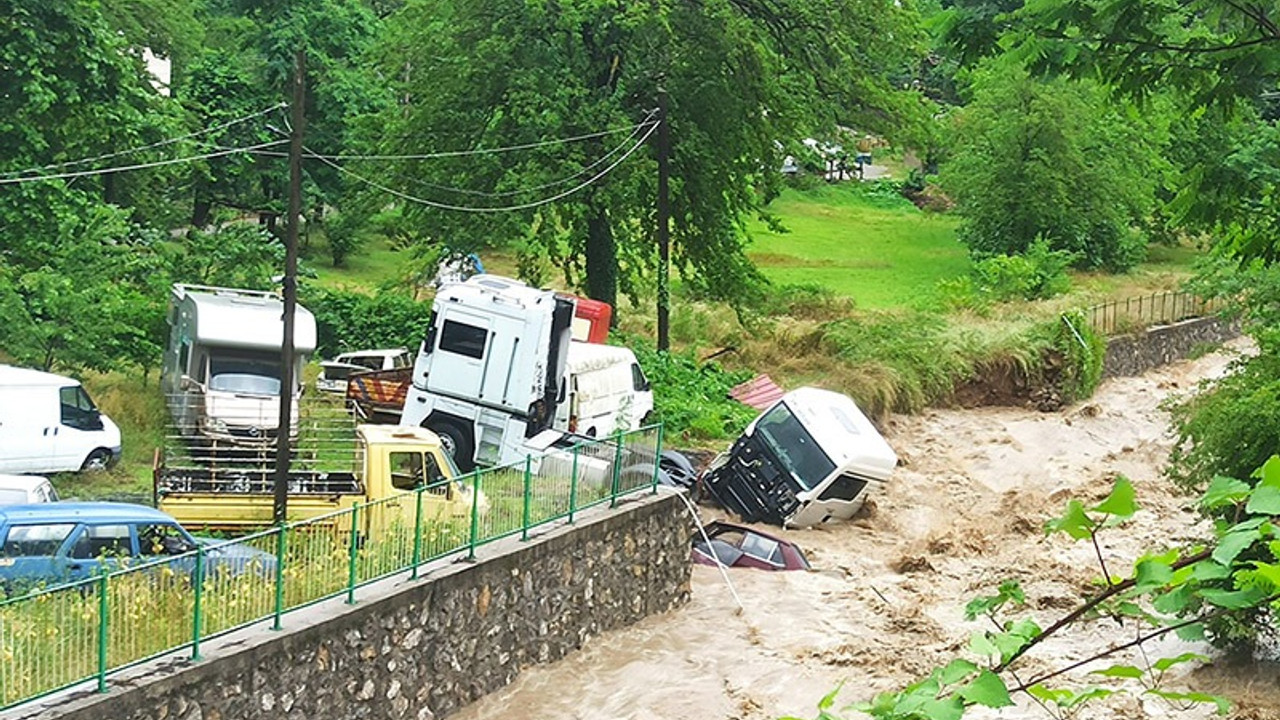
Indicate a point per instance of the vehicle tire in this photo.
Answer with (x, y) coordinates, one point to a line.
(455, 441)
(97, 461)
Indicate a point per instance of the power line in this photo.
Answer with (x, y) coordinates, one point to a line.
(508, 208)
(152, 146)
(534, 188)
(141, 166)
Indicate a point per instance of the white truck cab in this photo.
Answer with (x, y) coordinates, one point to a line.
(48, 423)
(810, 458)
(491, 369)
(222, 367)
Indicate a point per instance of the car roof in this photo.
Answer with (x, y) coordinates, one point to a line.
(86, 512)
(22, 482)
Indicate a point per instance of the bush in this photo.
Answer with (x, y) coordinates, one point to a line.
(351, 320)
(692, 397)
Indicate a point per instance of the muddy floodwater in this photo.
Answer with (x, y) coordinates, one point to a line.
(884, 604)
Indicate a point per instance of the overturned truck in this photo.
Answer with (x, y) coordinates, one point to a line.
(809, 458)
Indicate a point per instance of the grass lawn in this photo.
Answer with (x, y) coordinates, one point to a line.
(879, 250)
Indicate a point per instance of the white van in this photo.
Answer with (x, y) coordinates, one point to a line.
(49, 424)
(606, 391)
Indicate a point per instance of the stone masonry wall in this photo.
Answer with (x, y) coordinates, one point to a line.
(1135, 354)
(421, 648)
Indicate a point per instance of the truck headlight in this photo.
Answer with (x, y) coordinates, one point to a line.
(217, 425)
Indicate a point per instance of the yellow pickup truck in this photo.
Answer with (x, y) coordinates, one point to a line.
(391, 462)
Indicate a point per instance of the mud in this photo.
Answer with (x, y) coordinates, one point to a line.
(885, 603)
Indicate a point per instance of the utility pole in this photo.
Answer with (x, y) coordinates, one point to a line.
(664, 225)
(280, 508)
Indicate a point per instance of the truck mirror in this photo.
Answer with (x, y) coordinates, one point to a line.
(188, 384)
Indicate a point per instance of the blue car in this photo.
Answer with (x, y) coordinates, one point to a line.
(63, 542)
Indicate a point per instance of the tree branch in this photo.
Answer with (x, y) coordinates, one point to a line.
(1094, 602)
(1022, 687)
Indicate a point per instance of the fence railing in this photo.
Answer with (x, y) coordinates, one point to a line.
(83, 631)
(1135, 313)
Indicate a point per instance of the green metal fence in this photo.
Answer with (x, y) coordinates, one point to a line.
(74, 633)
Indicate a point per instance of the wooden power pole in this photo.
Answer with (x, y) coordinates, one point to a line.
(664, 225)
(290, 287)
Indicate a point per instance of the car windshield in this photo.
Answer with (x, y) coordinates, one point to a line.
(794, 447)
(248, 374)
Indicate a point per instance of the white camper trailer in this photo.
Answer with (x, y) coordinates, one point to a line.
(49, 424)
(222, 369)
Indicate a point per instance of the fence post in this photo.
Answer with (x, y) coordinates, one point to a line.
(282, 544)
(475, 515)
(657, 460)
(351, 558)
(197, 614)
(617, 470)
(573, 484)
(103, 609)
(417, 533)
(528, 481)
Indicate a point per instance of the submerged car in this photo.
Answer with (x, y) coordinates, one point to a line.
(334, 373)
(64, 542)
(741, 546)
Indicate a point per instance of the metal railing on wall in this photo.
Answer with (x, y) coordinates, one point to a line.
(54, 638)
(1135, 313)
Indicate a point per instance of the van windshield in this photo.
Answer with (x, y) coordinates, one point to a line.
(794, 447)
(256, 374)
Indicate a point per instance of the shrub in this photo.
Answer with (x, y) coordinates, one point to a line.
(692, 397)
(350, 320)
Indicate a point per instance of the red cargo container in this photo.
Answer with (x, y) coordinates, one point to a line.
(591, 319)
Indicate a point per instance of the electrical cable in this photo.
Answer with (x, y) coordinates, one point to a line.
(648, 121)
(508, 208)
(213, 128)
(140, 166)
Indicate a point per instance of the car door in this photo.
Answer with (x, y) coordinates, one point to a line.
(98, 548)
(79, 429)
(157, 540)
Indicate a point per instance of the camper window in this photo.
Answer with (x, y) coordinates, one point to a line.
(78, 410)
(794, 447)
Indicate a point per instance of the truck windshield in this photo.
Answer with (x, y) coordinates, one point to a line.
(250, 374)
(794, 447)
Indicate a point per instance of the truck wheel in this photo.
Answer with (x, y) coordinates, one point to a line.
(97, 460)
(455, 441)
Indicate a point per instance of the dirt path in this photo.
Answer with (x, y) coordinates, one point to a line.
(885, 605)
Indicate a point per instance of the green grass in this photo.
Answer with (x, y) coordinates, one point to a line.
(877, 250)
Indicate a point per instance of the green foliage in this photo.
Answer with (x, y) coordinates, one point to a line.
(692, 397)
(1083, 351)
(740, 76)
(1052, 159)
(351, 321)
(1038, 274)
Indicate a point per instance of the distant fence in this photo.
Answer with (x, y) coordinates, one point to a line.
(78, 632)
(1121, 316)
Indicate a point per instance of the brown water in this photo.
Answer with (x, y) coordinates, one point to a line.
(885, 604)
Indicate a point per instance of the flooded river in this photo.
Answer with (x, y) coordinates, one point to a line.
(884, 604)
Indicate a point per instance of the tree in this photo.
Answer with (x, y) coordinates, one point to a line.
(741, 76)
(1052, 159)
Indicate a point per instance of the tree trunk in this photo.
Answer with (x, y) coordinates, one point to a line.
(602, 260)
(200, 211)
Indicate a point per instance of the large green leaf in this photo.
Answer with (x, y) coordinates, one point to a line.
(1165, 663)
(1223, 491)
(1222, 704)
(986, 689)
(1151, 573)
(1075, 522)
(1120, 671)
(1232, 599)
(1265, 500)
(1232, 544)
(1120, 503)
(956, 671)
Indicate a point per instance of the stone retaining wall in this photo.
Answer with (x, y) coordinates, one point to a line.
(421, 648)
(1135, 354)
